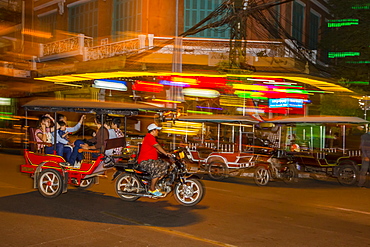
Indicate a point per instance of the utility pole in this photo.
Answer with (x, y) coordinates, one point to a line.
(364, 103)
(238, 34)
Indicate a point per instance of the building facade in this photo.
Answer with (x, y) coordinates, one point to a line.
(109, 21)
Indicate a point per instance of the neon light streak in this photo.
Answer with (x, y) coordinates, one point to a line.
(204, 93)
(359, 62)
(200, 112)
(212, 108)
(174, 83)
(250, 87)
(291, 91)
(359, 82)
(167, 101)
(343, 22)
(361, 6)
(343, 54)
(252, 95)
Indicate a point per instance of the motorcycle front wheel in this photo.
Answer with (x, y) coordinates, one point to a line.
(126, 183)
(261, 176)
(190, 193)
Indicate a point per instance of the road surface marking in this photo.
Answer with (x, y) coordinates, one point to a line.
(174, 232)
(346, 209)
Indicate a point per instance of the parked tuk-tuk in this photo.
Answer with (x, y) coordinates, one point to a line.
(316, 147)
(219, 145)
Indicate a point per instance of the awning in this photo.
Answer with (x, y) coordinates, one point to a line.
(86, 106)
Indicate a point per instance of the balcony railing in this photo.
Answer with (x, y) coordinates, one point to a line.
(111, 49)
(82, 45)
(65, 48)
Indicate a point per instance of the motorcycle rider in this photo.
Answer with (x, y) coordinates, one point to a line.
(148, 158)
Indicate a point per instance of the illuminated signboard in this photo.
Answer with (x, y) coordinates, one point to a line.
(286, 102)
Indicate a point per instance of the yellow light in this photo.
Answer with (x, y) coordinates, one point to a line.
(326, 86)
(37, 33)
(168, 101)
(186, 124)
(67, 84)
(179, 132)
(234, 124)
(190, 81)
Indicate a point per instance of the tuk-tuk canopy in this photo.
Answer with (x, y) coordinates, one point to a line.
(320, 119)
(219, 119)
(86, 106)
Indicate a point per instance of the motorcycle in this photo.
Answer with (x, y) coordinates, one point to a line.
(133, 183)
(275, 168)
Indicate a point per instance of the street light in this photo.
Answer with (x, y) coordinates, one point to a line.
(364, 103)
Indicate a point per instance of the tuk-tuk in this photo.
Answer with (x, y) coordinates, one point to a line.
(316, 147)
(219, 145)
(50, 173)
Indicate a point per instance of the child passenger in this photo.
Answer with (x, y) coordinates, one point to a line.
(62, 138)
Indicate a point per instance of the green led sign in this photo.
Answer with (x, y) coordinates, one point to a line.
(361, 6)
(359, 82)
(342, 22)
(343, 54)
(359, 62)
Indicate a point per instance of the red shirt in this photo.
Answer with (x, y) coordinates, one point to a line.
(147, 150)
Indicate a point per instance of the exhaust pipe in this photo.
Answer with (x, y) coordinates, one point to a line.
(139, 194)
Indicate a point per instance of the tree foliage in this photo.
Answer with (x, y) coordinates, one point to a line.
(340, 105)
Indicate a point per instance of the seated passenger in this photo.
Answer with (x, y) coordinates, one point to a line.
(112, 134)
(116, 122)
(64, 146)
(44, 134)
(96, 142)
(62, 138)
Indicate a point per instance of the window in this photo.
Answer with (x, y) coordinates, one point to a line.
(83, 18)
(197, 10)
(126, 18)
(314, 31)
(276, 12)
(297, 22)
(48, 24)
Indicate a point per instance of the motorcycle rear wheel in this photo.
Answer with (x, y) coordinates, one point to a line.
(127, 183)
(290, 173)
(190, 193)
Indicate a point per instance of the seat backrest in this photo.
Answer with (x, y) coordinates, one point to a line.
(114, 143)
(32, 139)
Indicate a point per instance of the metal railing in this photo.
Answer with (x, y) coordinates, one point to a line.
(112, 49)
(66, 47)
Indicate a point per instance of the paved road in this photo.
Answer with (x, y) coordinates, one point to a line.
(234, 212)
